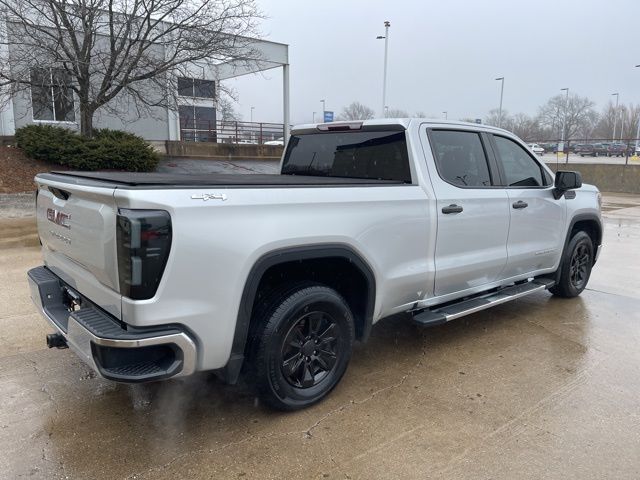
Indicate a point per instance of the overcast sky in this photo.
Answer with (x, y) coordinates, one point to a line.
(445, 55)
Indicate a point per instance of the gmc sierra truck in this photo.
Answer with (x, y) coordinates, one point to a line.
(153, 276)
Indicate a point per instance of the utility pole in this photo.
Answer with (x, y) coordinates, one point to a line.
(501, 79)
(615, 115)
(386, 54)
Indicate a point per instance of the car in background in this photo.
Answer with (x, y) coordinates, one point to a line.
(277, 141)
(617, 150)
(548, 147)
(582, 149)
(535, 148)
(595, 150)
(564, 150)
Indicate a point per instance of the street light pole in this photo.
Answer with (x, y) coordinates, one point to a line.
(386, 54)
(615, 115)
(252, 108)
(637, 130)
(314, 118)
(324, 109)
(564, 120)
(501, 95)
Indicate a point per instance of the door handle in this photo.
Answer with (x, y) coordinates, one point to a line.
(453, 208)
(520, 204)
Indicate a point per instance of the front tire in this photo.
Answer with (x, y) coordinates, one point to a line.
(575, 268)
(301, 347)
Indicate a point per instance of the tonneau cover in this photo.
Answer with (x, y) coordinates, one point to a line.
(137, 179)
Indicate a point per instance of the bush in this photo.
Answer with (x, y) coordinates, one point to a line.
(106, 150)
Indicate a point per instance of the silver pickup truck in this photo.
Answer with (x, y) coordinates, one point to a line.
(154, 276)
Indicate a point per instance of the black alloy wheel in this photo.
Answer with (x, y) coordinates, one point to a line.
(575, 266)
(301, 345)
(580, 266)
(309, 351)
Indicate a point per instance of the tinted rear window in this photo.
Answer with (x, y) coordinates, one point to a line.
(371, 155)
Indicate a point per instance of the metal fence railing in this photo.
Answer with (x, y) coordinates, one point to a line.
(256, 133)
(606, 150)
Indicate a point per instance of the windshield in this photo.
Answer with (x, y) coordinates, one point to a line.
(361, 154)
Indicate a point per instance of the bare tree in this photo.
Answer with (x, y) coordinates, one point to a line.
(396, 113)
(102, 52)
(226, 111)
(356, 111)
(581, 117)
(496, 119)
(626, 121)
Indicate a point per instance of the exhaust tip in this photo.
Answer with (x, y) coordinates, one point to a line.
(56, 340)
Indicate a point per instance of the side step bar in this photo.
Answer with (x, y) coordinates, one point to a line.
(440, 315)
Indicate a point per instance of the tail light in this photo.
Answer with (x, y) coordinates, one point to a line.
(144, 240)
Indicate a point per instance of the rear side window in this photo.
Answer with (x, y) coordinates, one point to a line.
(460, 158)
(520, 169)
(369, 155)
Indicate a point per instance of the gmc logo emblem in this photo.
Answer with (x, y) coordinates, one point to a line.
(58, 217)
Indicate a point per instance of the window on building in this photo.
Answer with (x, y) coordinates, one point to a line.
(460, 158)
(520, 169)
(197, 123)
(196, 88)
(51, 96)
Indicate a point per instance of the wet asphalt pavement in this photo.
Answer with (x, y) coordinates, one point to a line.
(537, 388)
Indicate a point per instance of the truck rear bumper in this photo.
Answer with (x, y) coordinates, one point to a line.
(114, 350)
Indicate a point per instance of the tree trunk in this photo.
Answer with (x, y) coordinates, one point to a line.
(86, 120)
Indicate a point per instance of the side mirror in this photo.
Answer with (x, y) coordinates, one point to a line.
(566, 181)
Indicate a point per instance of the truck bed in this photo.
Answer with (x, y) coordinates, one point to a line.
(129, 180)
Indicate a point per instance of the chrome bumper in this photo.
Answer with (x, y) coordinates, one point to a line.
(89, 330)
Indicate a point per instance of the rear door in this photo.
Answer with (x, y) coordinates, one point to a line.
(473, 212)
(536, 233)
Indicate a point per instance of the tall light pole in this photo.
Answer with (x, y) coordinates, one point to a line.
(386, 54)
(615, 115)
(446, 115)
(564, 120)
(638, 129)
(501, 79)
(323, 108)
(314, 118)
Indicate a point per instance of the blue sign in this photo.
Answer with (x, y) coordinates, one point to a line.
(328, 117)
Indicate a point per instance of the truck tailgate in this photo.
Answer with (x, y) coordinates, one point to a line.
(77, 228)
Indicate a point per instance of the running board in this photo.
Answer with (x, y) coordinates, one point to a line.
(440, 315)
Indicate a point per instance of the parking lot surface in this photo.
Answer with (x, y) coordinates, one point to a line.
(537, 388)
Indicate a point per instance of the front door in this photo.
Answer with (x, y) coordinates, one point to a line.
(473, 213)
(537, 231)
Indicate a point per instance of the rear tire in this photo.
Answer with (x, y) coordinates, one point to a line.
(575, 268)
(301, 346)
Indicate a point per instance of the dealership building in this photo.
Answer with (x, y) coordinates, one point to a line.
(195, 118)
